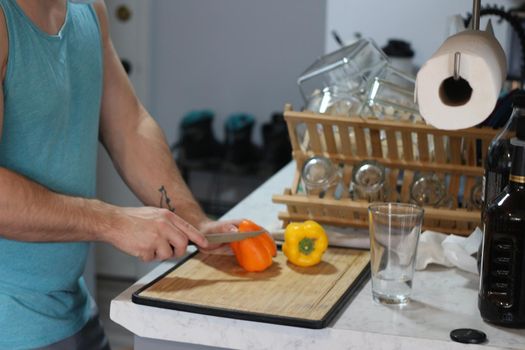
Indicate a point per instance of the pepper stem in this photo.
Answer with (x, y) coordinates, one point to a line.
(306, 245)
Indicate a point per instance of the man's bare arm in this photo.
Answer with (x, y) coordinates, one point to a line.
(136, 143)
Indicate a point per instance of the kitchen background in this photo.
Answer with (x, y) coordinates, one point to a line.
(240, 56)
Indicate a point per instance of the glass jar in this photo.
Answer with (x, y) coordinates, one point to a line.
(427, 190)
(349, 68)
(334, 101)
(320, 176)
(368, 181)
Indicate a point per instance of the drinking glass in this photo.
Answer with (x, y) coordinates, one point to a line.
(394, 235)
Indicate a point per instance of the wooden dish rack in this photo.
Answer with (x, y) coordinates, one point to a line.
(403, 148)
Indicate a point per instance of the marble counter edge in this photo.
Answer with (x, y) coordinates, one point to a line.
(178, 326)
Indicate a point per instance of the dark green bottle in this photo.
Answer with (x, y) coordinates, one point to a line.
(502, 281)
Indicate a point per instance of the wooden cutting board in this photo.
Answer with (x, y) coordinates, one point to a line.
(283, 294)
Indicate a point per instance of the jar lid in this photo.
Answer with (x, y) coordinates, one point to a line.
(468, 336)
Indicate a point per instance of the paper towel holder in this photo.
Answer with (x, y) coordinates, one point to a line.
(457, 62)
(455, 91)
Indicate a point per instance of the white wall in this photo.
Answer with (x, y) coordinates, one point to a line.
(422, 22)
(231, 56)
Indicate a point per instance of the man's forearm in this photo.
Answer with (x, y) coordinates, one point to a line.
(145, 162)
(31, 212)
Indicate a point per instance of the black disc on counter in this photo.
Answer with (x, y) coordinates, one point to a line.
(468, 336)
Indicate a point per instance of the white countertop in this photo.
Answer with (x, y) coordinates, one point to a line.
(443, 300)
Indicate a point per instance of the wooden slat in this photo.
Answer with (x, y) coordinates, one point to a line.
(360, 141)
(375, 140)
(469, 184)
(481, 133)
(394, 195)
(329, 139)
(408, 147)
(391, 139)
(347, 179)
(296, 180)
(484, 149)
(432, 213)
(346, 148)
(470, 154)
(289, 206)
(440, 154)
(315, 143)
(287, 217)
(292, 133)
(422, 143)
(408, 178)
(412, 165)
(470, 181)
(455, 158)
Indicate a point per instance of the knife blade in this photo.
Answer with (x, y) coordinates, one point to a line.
(227, 237)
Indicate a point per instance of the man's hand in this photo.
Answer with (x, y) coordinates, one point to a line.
(159, 234)
(152, 233)
(217, 227)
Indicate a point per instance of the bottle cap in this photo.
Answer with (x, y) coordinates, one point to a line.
(468, 336)
(398, 48)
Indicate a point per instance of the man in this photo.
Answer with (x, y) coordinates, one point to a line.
(64, 90)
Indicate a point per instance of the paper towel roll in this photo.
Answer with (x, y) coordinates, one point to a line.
(457, 104)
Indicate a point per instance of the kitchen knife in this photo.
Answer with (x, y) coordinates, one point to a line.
(227, 237)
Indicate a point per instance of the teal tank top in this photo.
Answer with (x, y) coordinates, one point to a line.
(52, 97)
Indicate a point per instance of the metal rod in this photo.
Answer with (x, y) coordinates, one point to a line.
(475, 14)
(457, 60)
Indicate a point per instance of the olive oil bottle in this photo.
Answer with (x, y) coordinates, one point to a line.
(498, 161)
(502, 281)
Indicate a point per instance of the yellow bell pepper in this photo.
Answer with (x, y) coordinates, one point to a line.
(304, 243)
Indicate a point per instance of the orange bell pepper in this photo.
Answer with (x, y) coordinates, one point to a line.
(254, 254)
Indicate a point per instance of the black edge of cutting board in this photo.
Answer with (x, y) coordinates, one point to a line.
(360, 280)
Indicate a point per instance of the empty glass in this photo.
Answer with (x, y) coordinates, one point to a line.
(394, 236)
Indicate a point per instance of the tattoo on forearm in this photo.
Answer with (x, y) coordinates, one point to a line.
(165, 199)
